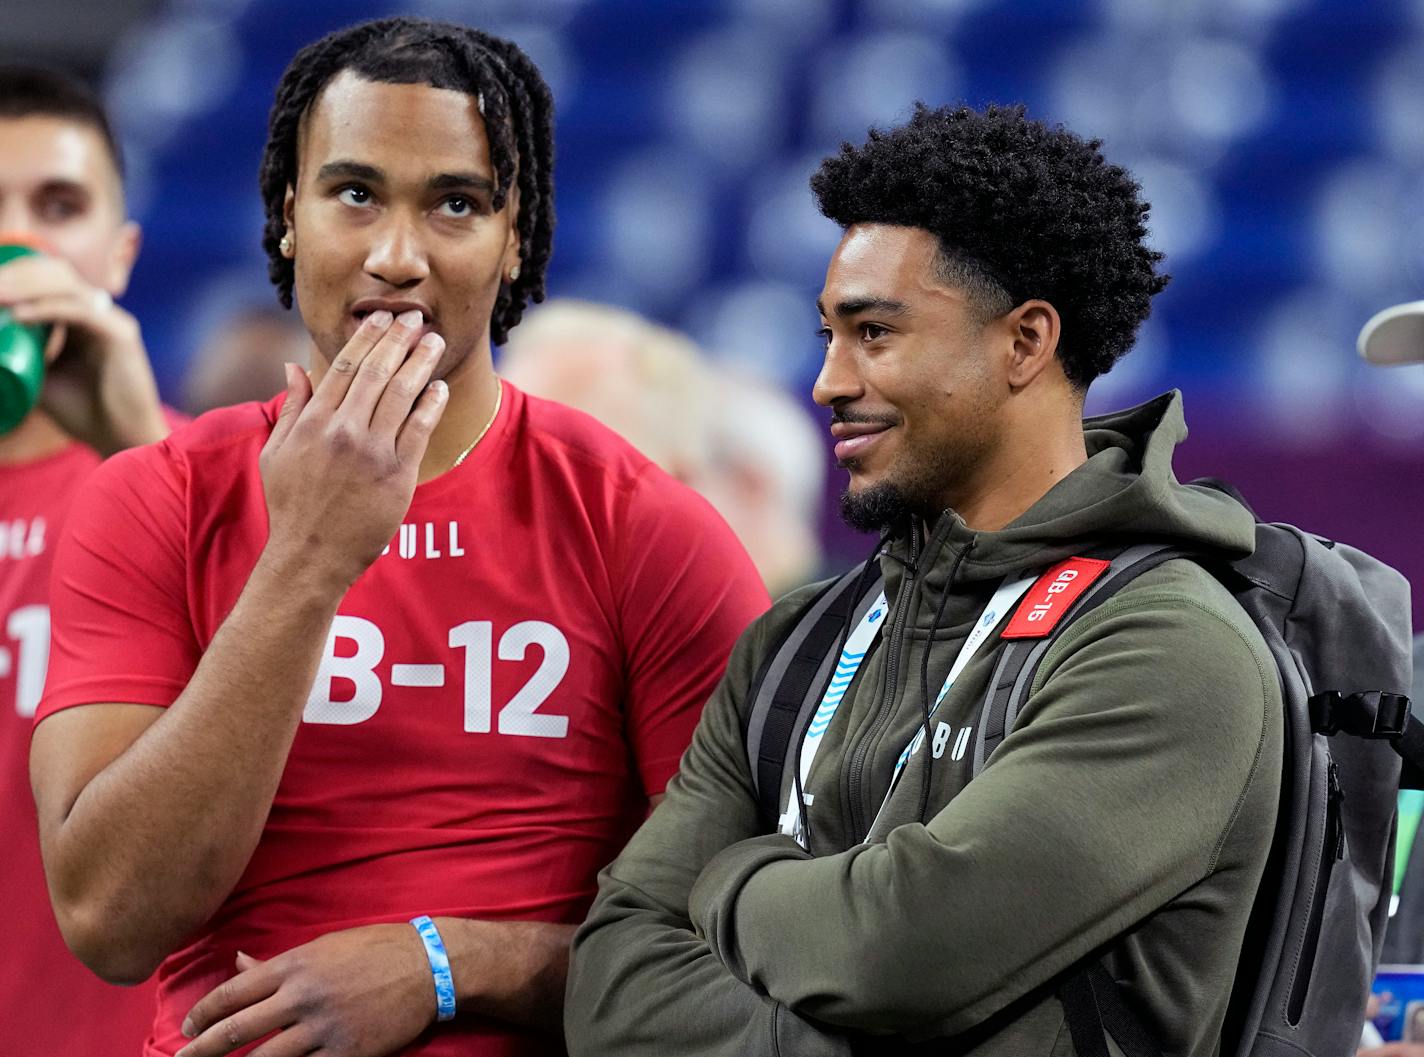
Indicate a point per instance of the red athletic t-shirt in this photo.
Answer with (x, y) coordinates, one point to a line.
(502, 690)
(50, 1003)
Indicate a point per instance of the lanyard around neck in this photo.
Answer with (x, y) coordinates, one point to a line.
(848, 664)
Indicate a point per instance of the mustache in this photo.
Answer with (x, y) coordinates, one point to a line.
(851, 416)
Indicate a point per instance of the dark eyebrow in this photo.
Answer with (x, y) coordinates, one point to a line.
(462, 181)
(353, 170)
(350, 170)
(880, 306)
(61, 185)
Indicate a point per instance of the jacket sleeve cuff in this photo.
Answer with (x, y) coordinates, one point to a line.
(712, 902)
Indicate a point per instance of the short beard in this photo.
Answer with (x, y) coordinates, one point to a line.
(879, 507)
(917, 491)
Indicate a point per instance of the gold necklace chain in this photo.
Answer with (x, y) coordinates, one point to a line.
(498, 399)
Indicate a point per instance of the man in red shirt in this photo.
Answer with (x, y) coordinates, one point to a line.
(404, 647)
(61, 186)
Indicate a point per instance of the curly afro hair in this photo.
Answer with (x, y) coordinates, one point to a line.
(514, 100)
(1021, 211)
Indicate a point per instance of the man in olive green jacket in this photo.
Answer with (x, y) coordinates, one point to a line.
(991, 267)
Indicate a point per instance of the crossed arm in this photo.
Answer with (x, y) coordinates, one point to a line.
(750, 945)
(643, 981)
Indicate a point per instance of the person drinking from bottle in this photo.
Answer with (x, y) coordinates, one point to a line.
(75, 386)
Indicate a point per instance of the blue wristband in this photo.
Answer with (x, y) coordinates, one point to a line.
(439, 967)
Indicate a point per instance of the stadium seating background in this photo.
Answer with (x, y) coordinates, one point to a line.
(1280, 141)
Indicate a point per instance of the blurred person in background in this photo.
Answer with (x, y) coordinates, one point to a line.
(1394, 337)
(767, 476)
(242, 358)
(61, 190)
(355, 690)
(646, 382)
(738, 440)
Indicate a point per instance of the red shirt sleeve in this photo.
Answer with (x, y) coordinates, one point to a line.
(118, 597)
(686, 591)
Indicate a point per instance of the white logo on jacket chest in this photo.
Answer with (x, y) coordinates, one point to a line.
(427, 539)
(942, 734)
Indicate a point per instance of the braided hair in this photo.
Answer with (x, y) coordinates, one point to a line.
(515, 103)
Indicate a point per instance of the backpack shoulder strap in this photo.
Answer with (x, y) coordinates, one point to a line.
(1375, 715)
(781, 692)
(1019, 658)
(1410, 746)
(1093, 1008)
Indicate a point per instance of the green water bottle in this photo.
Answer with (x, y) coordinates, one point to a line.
(22, 346)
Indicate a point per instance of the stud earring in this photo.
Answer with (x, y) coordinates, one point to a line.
(285, 245)
(514, 273)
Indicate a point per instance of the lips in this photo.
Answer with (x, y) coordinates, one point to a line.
(855, 439)
(394, 306)
(856, 447)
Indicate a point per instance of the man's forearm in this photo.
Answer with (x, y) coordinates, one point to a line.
(643, 984)
(511, 970)
(879, 945)
(148, 822)
(155, 840)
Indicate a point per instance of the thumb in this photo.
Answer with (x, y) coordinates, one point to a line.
(58, 335)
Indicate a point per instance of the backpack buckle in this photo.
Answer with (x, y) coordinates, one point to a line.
(1368, 714)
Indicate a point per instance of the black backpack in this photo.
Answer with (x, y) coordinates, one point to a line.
(1337, 623)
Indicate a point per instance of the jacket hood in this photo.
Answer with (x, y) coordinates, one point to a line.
(1125, 491)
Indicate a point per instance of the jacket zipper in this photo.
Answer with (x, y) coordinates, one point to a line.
(886, 706)
(1332, 850)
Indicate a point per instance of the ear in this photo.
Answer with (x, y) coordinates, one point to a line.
(1034, 328)
(122, 254)
(289, 208)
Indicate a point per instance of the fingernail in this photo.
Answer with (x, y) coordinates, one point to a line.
(289, 369)
(432, 341)
(439, 388)
(187, 1029)
(380, 319)
(410, 318)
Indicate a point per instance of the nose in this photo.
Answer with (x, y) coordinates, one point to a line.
(397, 254)
(15, 216)
(839, 379)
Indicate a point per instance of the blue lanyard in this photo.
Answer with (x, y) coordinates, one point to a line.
(848, 664)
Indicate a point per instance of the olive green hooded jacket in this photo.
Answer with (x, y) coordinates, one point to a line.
(1129, 812)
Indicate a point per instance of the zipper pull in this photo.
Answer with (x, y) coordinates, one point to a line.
(1335, 796)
